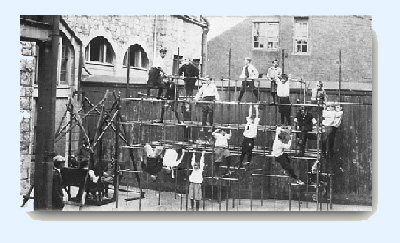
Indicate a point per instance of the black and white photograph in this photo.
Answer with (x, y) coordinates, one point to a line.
(196, 113)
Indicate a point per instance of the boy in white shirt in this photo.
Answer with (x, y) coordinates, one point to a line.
(249, 133)
(273, 75)
(221, 150)
(283, 141)
(249, 73)
(283, 92)
(157, 73)
(208, 92)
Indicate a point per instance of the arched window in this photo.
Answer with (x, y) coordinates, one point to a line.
(138, 57)
(99, 50)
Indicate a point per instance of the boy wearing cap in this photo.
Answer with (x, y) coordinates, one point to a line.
(283, 91)
(221, 149)
(273, 75)
(157, 73)
(249, 73)
(58, 188)
(318, 94)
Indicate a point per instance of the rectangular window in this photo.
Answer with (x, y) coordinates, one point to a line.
(301, 38)
(175, 64)
(266, 35)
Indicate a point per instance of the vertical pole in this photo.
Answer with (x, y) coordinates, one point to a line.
(128, 71)
(70, 108)
(251, 193)
(47, 84)
(229, 74)
(219, 193)
(227, 195)
(290, 194)
(116, 165)
(330, 191)
(340, 74)
(283, 60)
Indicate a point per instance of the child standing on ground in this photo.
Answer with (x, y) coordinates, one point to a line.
(195, 180)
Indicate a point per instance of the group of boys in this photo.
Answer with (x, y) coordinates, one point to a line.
(280, 93)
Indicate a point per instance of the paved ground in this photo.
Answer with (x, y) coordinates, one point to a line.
(171, 202)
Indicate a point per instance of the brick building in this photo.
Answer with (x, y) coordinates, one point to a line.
(306, 46)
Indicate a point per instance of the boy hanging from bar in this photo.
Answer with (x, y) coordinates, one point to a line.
(274, 74)
(170, 97)
(195, 180)
(249, 73)
(249, 133)
(172, 158)
(283, 92)
(221, 150)
(152, 160)
(283, 141)
(207, 93)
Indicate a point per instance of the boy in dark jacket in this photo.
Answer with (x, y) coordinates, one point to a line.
(305, 122)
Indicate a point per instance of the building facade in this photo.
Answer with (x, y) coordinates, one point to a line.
(35, 42)
(308, 47)
(106, 40)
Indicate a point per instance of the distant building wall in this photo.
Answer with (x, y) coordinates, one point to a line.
(326, 35)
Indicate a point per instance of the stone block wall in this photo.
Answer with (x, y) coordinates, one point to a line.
(27, 75)
(124, 31)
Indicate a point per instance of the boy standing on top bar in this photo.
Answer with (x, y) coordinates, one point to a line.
(249, 73)
(273, 75)
(283, 92)
(157, 73)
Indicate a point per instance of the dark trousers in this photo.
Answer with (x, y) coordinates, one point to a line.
(285, 163)
(247, 149)
(249, 86)
(284, 110)
(273, 90)
(328, 141)
(173, 106)
(208, 111)
(304, 136)
(189, 86)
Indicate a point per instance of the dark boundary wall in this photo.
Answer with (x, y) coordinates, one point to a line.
(353, 144)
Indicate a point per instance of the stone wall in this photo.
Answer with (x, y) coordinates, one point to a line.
(124, 31)
(27, 75)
